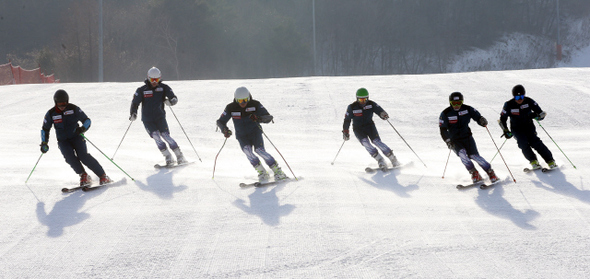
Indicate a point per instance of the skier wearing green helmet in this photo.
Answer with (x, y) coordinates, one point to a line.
(360, 113)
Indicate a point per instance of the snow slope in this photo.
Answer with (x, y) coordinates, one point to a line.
(336, 222)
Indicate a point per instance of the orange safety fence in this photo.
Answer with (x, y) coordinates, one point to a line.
(16, 75)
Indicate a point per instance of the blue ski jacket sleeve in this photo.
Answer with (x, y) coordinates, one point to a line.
(65, 122)
(151, 100)
(243, 117)
(359, 115)
(521, 116)
(454, 125)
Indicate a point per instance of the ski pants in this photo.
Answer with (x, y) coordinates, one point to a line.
(251, 143)
(466, 149)
(158, 130)
(76, 153)
(367, 135)
(529, 141)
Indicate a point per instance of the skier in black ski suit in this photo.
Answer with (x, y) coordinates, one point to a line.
(152, 97)
(455, 131)
(247, 114)
(522, 110)
(64, 117)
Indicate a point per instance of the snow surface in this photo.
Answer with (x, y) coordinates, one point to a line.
(336, 222)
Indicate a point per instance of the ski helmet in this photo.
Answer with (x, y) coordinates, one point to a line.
(456, 96)
(242, 93)
(154, 73)
(518, 90)
(61, 96)
(362, 93)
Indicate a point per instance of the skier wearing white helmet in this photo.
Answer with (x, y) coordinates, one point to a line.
(246, 114)
(152, 96)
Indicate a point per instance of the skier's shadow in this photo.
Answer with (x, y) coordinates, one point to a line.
(63, 214)
(161, 184)
(562, 187)
(492, 201)
(388, 181)
(265, 203)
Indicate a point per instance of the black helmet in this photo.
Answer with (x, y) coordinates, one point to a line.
(61, 96)
(456, 96)
(518, 90)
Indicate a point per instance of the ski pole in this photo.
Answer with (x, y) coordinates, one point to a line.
(278, 152)
(449, 156)
(112, 158)
(106, 156)
(556, 144)
(189, 140)
(34, 169)
(338, 152)
(513, 179)
(215, 162)
(406, 142)
(498, 150)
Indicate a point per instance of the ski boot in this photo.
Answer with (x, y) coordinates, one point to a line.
(492, 175)
(475, 177)
(104, 179)
(169, 161)
(179, 157)
(552, 164)
(535, 165)
(85, 179)
(279, 174)
(381, 162)
(262, 174)
(394, 161)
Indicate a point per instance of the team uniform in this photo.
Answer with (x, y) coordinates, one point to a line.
(249, 133)
(523, 128)
(455, 131)
(153, 116)
(71, 144)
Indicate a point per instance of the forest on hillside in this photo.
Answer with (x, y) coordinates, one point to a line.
(219, 39)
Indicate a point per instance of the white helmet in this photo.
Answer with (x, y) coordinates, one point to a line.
(154, 73)
(242, 93)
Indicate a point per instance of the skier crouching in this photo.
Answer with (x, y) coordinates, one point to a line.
(246, 114)
(454, 130)
(360, 113)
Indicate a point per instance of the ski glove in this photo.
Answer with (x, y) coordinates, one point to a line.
(226, 132)
(482, 122)
(44, 147)
(345, 135)
(80, 130)
(538, 116)
(254, 117)
(450, 144)
(384, 115)
(171, 102)
(507, 134)
(132, 117)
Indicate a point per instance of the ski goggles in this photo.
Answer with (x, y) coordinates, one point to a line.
(362, 100)
(242, 101)
(519, 97)
(152, 80)
(456, 103)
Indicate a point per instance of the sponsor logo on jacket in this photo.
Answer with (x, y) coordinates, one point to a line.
(357, 112)
(148, 94)
(250, 109)
(69, 112)
(236, 115)
(515, 111)
(57, 119)
(463, 112)
(453, 119)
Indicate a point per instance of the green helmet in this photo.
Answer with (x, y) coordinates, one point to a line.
(362, 93)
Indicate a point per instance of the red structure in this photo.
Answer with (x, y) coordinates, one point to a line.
(17, 75)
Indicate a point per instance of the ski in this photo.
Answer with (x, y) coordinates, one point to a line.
(263, 184)
(69, 190)
(158, 166)
(461, 186)
(372, 170)
(112, 183)
(547, 169)
(486, 186)
(529, 169)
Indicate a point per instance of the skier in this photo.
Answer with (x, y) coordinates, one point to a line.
(522, 110)
(361, 113)
(65, 117)
(247, 114)
(153, 95)
(455, 132)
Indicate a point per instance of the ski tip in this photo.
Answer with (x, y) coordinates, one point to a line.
(64, 190)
